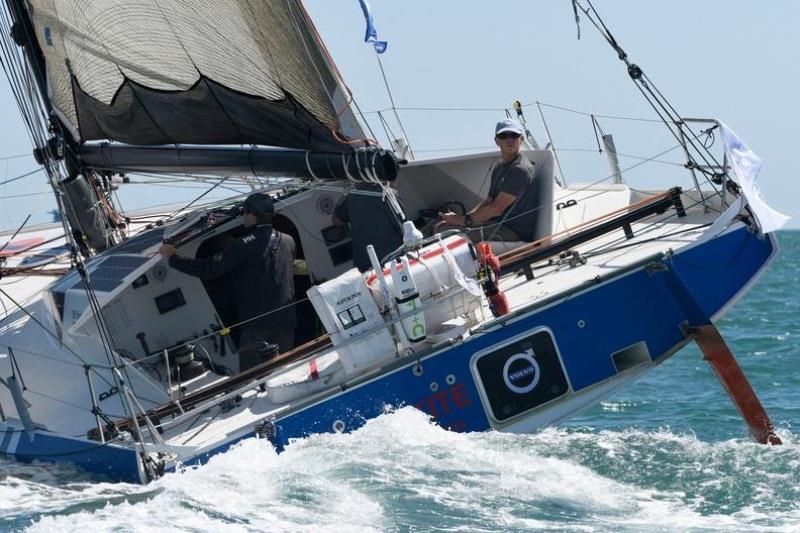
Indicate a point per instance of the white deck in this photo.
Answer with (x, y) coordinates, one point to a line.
(660, 233)
(208, 426)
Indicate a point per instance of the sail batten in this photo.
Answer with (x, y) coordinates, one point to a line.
(192, 71)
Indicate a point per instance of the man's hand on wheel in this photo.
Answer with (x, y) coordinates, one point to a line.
(452, 218)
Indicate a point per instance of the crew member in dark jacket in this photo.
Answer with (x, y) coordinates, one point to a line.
(372, 221)
(261, 263)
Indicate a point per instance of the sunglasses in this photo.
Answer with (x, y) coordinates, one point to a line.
(508, 135)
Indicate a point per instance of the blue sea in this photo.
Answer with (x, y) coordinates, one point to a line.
(668, 454)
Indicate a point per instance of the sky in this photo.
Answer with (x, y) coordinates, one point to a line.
(465, 61)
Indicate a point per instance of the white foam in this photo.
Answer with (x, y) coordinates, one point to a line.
(402, 472)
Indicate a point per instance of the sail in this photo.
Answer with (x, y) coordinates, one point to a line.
(192, 72)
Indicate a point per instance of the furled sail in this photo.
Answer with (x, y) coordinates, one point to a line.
(192, 72)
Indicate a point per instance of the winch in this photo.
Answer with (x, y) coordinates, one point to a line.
(183, 364)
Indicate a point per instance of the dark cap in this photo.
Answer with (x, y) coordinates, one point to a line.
(260, 205)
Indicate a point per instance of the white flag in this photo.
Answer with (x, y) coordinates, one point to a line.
(746, 166)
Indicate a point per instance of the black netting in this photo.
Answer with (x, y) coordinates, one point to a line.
(208, 113)
(191, 71)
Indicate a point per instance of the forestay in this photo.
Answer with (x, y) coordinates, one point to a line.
(192, 71)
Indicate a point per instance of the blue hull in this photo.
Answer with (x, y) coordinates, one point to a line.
(581, 340)
(114, 462)
(587, 327)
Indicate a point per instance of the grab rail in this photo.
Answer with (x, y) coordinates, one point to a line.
(523, 257)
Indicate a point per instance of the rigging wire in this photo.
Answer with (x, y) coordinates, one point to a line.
(17, 156)
(24, 223)
(394, 106)
(387, 129)
(50, 333)
(426, 109)
(503, 109)
(662, 107)
(584, 113)
(25, 175)
(15, 68)
(650, 227)
(597, 129)
(190, 204)
(38, 129)
(573, 192)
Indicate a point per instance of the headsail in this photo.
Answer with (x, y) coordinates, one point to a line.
(192, 71)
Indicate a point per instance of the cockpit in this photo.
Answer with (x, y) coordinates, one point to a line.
(149, 311)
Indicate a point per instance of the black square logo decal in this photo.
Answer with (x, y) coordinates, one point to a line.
(522, 375)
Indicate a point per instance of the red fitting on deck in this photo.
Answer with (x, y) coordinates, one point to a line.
(488, 258)
(490, 265)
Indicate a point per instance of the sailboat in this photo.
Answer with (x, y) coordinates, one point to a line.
(115, 362)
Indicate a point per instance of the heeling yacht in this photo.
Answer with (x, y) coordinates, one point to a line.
(130, 369)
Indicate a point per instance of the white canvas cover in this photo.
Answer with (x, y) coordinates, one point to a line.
(348, 311)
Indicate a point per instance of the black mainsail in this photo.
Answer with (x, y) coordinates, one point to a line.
(181, 86)
(150, 72)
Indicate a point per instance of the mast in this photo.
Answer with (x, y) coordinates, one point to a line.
(54, 144)
(84, 224)
(22, 32)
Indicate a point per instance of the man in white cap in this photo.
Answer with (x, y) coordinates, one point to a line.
(509, 211)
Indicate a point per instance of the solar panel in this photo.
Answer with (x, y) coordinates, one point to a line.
(111, 272)
(141, 242)
(130, 262)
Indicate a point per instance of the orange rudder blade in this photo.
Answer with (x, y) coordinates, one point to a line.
(735, 383)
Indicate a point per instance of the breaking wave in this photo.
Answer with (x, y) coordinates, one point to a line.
(402, 472)
(657, 456)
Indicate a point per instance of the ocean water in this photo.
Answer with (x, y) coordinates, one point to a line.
(668, 454)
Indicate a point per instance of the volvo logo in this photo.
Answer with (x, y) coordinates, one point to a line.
(521, 372)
